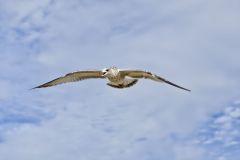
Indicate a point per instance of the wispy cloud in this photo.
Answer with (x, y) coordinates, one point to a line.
(221, 133)
(193, 43)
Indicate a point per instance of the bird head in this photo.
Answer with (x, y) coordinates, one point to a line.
(105, 72)
(109, 71)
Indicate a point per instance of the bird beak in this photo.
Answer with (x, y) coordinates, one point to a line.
(103, 73)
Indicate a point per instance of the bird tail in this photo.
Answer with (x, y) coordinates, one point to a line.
(127, 83)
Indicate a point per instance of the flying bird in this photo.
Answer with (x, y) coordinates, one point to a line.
(118, 78)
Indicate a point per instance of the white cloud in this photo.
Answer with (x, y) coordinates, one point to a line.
(222, 133)
(191, 43)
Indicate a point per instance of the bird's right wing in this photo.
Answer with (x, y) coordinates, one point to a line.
(148, 75)
(73, 77)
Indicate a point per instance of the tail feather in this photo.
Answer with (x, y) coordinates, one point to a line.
(126, 84)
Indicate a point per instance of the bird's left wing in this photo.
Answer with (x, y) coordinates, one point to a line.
(73, 77)
(148, 75)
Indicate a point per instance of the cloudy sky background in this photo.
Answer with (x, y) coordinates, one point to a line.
(192, 43)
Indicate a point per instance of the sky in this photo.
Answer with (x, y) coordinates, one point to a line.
(192, 43)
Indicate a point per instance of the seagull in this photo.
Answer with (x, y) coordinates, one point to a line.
(118, 78)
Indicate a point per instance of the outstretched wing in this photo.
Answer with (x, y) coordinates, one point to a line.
(148, 75)
(73, 77)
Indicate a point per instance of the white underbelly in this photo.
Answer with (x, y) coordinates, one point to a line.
(116, 80)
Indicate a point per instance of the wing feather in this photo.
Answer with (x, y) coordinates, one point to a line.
(148, 75)
(73, 77)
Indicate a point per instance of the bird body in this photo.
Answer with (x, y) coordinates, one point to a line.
(118, 78)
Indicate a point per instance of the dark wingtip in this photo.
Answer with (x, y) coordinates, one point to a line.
(168, 82)
(34, 88)
(187, 89)
(41, 86)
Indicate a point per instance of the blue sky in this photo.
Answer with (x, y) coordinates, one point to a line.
(192, 43)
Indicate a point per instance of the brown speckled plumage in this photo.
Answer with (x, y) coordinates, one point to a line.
(118, 78)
